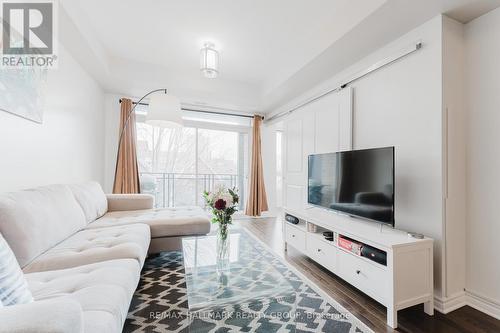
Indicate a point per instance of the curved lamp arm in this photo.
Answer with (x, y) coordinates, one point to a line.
(125, 126)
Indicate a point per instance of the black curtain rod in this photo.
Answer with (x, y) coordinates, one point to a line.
(208, 112)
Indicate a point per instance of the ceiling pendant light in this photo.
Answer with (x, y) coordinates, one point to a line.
(209, 61)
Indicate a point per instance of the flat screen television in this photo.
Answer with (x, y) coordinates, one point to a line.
(358, 183)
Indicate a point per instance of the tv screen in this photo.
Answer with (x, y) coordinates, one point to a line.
(358, 183)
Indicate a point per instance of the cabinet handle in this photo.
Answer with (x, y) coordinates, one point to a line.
(293, 236)
(358, 271)
(319, 250)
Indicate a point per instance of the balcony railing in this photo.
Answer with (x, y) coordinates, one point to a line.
(185, 189)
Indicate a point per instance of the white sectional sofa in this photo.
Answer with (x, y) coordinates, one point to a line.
(82, 252)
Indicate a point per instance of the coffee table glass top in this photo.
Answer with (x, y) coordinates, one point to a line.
(246, 277)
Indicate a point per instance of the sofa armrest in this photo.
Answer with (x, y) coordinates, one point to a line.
(48, 316)
(120, 202)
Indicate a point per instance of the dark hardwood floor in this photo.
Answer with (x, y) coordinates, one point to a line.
(373, 314)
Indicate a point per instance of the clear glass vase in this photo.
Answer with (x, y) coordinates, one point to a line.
(223, 244)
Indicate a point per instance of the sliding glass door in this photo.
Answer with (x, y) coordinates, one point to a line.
(177, 165)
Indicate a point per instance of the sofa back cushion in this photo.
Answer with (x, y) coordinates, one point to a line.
(91, 199)
(13, 287)
(32, 221)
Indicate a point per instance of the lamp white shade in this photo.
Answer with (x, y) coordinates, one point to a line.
(164, 111)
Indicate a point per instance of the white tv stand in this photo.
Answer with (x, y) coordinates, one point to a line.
(406, 280)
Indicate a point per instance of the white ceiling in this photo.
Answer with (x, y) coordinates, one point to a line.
(261, 41)
(264, 44)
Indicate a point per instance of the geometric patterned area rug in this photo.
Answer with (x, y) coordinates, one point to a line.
(160, 304)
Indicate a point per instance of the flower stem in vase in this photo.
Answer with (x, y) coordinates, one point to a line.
(223, 246)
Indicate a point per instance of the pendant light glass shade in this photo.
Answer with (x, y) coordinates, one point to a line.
(164, 111)
(209, 61)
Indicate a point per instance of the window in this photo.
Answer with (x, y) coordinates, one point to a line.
(177, 165)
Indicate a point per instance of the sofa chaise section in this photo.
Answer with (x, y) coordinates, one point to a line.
(165, 222)
(168, 225)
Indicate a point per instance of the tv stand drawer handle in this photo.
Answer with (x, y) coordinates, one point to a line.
(293, 236)
(358, 271)
(319, 250)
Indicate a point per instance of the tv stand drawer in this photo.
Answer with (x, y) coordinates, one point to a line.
(323, 253)
(365, 276)
(295, 237)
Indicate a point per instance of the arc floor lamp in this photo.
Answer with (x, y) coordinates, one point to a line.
(164, 111)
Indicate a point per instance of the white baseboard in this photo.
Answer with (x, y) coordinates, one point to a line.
(448, 304)
(483, 304)
(474, 300)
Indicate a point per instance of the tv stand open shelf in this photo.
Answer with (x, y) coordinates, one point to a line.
(406, 279)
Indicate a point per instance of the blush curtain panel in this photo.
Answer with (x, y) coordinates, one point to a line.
(127, 171)
(257, 198)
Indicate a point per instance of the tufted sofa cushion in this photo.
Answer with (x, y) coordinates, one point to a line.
(91, 199)
(95, 245)
(58, 315)
(32, 221)
(166, 222)
(103, 290)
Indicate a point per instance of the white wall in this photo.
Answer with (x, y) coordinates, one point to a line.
(67, 147)
(483, 157)
(454, 159)
(401, 106)
(111, 123)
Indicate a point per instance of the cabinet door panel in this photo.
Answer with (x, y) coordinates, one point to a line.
(345, 118)
(294, 196)
(327, 125)
(294, 153)
(319, 127)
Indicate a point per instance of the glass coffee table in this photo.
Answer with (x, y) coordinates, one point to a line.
(248, 280)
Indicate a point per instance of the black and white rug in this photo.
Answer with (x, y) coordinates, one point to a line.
(160, 305)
